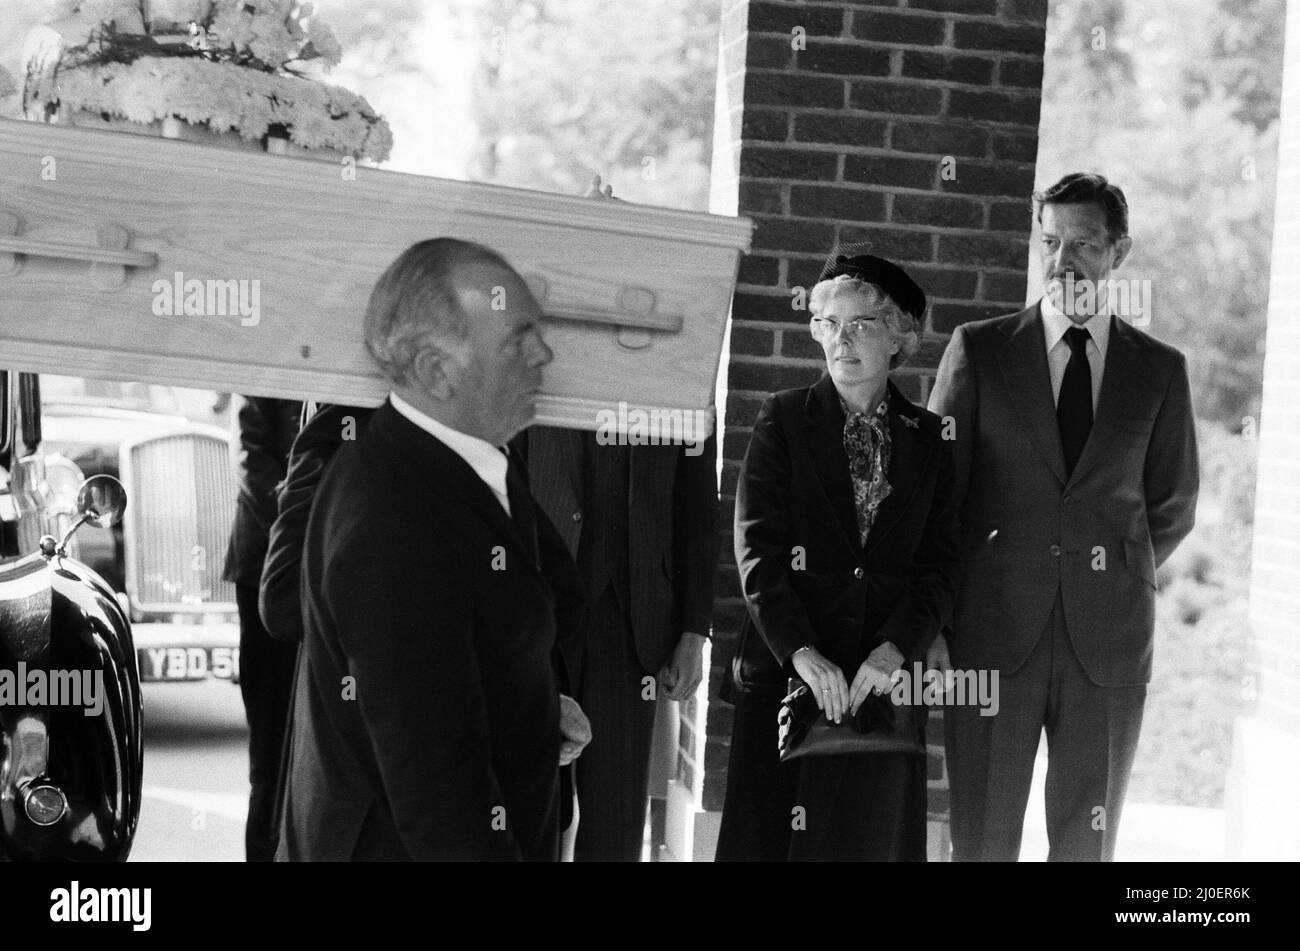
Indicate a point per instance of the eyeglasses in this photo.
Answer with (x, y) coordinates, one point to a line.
(855, 329)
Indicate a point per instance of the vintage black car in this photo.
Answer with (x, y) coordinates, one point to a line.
(122, 600)
(166, 557)
(71, 719)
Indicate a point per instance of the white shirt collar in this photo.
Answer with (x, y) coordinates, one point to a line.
(487, 461)
(1055, 324)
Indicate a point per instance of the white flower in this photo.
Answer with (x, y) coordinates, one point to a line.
(221, 93)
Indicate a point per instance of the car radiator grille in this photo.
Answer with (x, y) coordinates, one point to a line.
(182, 503)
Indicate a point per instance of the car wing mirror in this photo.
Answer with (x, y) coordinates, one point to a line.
(100, 501)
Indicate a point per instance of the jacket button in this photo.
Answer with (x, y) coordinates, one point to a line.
(1055, 550)
(857, 573)
(1069, 497)
(577, 516)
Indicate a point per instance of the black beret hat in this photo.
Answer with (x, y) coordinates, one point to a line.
(889, 277)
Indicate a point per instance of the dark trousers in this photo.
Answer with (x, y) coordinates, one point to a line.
(1092, 735)
(265, 678)
(819, 809)
(613, 772)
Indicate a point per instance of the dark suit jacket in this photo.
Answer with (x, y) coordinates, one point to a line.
(280, 601)
(806, 577)
(278, 596)
(266, 430)
(672, 529)
(1028, 529)
(456, 710)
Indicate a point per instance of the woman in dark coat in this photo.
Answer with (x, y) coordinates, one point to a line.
(846, 542)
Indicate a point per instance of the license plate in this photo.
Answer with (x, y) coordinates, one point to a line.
(188, 663)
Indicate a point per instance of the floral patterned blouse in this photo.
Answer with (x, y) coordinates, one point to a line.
(866, 443)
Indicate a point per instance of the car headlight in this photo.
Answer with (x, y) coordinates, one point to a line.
(63, 480)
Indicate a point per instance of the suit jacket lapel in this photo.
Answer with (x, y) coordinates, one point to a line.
(522, 505)
(909, 454)
(449, 476)
(484, 501)
(1121, 381)
(1023, 362)
(824, 427)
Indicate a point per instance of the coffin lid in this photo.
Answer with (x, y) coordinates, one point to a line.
(636, 297)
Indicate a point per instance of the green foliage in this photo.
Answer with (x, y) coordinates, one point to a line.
(1203, 636)
(571, 88)
(1202, 653)
(542, 93)
(1247, 43)
(381, 34)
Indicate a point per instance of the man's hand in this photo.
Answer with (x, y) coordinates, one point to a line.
(876, 675)
(575, 730)
(681, 675)
(596, 190)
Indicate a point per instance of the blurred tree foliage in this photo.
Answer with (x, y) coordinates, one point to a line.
(381, 34)
(1177, 102)
(571, 88)
(561, 89)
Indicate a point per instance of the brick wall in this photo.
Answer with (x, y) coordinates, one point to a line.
(912, 125)
(1262, 821)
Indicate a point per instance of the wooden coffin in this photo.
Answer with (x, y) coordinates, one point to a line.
(636, 298)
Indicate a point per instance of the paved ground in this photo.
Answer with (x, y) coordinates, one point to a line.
(196, 790)
(1148, 833)
(195, 774)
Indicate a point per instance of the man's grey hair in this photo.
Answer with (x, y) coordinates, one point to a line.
(904, 329)
(414, 303)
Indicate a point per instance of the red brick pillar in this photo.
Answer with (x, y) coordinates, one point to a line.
(1262, 821)
(912, 127)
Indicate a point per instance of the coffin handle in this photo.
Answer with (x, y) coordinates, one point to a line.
(634, 314)
(109, 255)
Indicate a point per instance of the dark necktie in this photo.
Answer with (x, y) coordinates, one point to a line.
(521, 504)
(1074, 406)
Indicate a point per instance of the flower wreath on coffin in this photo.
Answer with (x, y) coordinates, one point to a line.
(201, 69)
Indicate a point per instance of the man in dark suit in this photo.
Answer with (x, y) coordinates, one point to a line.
(1075, 450)
(427, 713)
(266, 430)
(326, 428)
(641, 523)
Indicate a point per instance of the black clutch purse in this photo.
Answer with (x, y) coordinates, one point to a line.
(880, 726)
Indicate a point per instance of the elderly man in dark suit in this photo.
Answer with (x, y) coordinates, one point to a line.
(1075, 450)
(427, 713)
